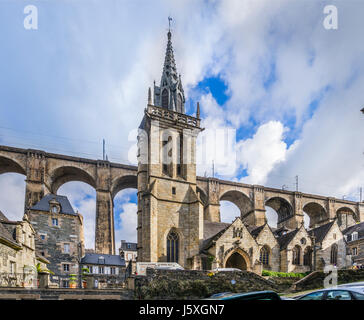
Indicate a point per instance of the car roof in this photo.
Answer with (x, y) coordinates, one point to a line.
(352, 284)
(245, 294)
(356, 289)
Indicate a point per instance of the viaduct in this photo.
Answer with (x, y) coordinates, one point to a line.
(47, 172)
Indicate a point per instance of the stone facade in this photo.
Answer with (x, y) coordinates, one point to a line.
(334, 237)
(354, 236)
(18, 254)
(128, 251)
(59, 231)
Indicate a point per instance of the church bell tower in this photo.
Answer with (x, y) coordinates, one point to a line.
(170, 213)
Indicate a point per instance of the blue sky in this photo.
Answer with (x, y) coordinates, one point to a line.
(289, 88)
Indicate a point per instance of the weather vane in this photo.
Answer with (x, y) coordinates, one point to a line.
(169, 23)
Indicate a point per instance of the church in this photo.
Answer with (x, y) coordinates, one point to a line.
(175, 224)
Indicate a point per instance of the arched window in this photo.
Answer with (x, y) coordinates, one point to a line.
(165, 98)
(179, 103)
(296, 255)
(307, 257)
(264, 255)
(333, 256)
(172, 246)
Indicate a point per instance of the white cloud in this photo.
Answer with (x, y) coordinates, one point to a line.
(262, 152)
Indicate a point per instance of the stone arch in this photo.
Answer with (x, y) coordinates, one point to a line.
(240, 199)
(66, 174)
(8, 165)
(237, 258)
(124, 182)
(281, 206)
(346, 217)
(316, 212)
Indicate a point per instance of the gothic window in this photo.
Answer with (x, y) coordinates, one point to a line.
(296, 255)
(264, 255)
(333, 255)
(179, 103)
(172, 247)
(165, 98)
(307, 257)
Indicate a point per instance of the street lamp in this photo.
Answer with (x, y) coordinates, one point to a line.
(362, 110)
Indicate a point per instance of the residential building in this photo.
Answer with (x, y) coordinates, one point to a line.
(59, 231)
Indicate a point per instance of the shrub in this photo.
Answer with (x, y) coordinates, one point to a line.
(284, 274)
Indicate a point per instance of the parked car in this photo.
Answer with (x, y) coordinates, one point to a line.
(226, 269)
(337, 293)
(168, 268)
(353, 284)
(256, 295)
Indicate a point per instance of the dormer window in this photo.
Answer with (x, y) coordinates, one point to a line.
(354, 236)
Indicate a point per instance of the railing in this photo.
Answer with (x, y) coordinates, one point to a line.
(26, 280)
(98, 281)
(174, 116)
(64, 281)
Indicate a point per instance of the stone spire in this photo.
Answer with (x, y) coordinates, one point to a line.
(170, 94)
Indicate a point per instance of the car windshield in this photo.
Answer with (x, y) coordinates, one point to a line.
(313, 296)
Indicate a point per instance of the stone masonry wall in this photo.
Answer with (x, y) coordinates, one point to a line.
(195, 284)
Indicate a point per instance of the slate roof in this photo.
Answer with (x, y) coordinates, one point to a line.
(359, 228)
(7, 230)
(321, 232)
(254, 231)
(278, 231)
(110, 260)
(124, 246)
(212, 231)
(43, 204)
(212, 228)
(285, 239)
